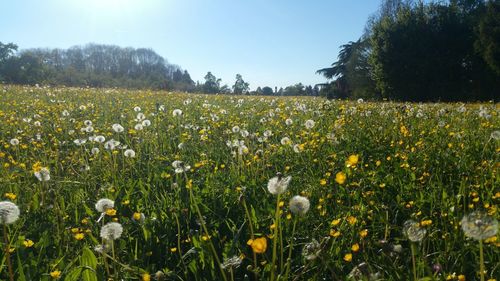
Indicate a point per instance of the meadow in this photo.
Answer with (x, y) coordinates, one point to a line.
(112, 184)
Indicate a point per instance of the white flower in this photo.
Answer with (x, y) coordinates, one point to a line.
(310, 124)
(177, 112)
(146, 123)
(233, 262)
(297, 148)
(104, 204)
(180, 167)
(288, 122)
(65, 113)
(278, 184)
(244, 133)
(88, 129)
(111, 231)
(311, 250)
(236, 129)
(80, 141)
(137, 109)
(9, 212)
(43, 174)
(268, 133)
(111, 144)
(14, 142)
(299, 205)
(413, 231)
(479, 226)
(286, 141)
(100, 139)
(37, 123)
(129, 153)
(118, 128)
(87, 123)
(138, 127)
(361, 101)
(495, 135)
(94, 151)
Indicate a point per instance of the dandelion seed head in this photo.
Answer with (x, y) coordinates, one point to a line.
(479, 226)
(9, 212)
(104, 204)
(111, 231)
(413, 231)
(278, 184)
(299, 205)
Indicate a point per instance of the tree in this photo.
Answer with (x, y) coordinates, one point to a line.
(488, 43)
(212, 84)
(267, 91)
(240, 86)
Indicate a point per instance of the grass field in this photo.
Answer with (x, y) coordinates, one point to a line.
(385, 187)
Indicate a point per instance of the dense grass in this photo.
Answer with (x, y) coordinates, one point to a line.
(432, 163)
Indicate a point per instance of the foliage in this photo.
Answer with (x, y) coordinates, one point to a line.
(366, 169)
(488, 42)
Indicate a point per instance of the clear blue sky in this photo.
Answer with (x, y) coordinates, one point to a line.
(269, 42)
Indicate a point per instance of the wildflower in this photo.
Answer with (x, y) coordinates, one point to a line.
(129, 153)
(95, 151)
(233, 262)
(139, 217)
(180, 167)
(258, 245)
(80, 142)
(495, 135)
(138, 127)
(43, 174)
(100, 139)
(10, 196)
(288, 122)
(146, 277)
(278, 184)
(285, 141)
(340, 177)
(362, 272)
(479, 226)
(9, 212)
(311, 250)
(56, 274)
(297, 148)
(104, 204)
(79, 236)
(111, 231)
(28, 243)
(14, 142)
(352, 160)
(348, 257)
(413, 231)
(117, 128)
(177, 112)
(299, 205)
(309, 124)
(146, 123)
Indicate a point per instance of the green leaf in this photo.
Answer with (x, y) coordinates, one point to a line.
(89, 263)
(74, 274)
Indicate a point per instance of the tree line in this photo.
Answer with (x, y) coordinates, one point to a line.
(411, 51)
(92, 65)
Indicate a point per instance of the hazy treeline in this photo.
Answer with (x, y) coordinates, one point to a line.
(92, 65)
(446, 50)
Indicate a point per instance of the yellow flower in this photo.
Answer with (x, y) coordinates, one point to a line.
(334, 233)
(352, 160)
(10, 196)
(136, 216)
(352, 220)
(322, 182)
(173, 249)
(79, 236)
(258, 245)
(461, 277)
(340, 177)
(363, 233)
(425, 223)
(28, 243)
(146, 277)
(56, 274)
(355, 247)
(348, 257)
(111, 212)
(335, 222)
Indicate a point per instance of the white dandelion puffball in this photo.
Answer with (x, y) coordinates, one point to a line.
(146, 123)
(118, 128)
(95, 151)
(495, 135)
(43, 174)
(479, 226)
(111, 231)
(177, 112)
(9, 212)
(87, 123)
(278, 184)
(310, 124)
(138, 127)
(129, 153)
(14, 142)
(104, 204)
(288, 122)
(137, 109)
(413, 231)
(100, 139)
(299, 205)
(285, 141)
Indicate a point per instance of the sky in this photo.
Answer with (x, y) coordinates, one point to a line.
(269, 42)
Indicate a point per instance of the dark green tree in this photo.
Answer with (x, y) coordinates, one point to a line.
(212, 84)
(488, 43)
(240, 86)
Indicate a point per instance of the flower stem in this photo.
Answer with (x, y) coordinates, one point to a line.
(243, 201)
(275, 236)
(289, 260)
(413, 261)
(481, 260)
(7, 252)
